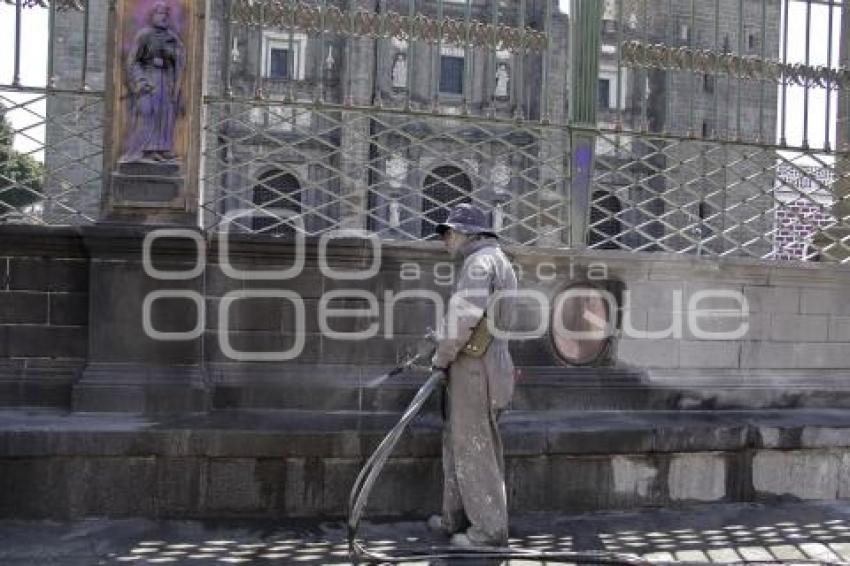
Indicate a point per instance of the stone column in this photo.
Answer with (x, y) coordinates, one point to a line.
(153, 107)
(146, 321)
(357, 74)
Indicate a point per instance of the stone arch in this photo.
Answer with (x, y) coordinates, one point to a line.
(444, 187)
(605, 226)
(275, 188)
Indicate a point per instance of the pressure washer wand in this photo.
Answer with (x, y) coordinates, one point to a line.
(424, 350)
(404, 366)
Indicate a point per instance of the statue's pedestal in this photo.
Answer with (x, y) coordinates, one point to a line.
(143, 354)
(148, 184)
(149, 193)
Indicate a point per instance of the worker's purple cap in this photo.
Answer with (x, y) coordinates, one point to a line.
(467, 219)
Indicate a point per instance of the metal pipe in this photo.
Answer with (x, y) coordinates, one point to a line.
(715, 82)
(544, 75)
(16, 77)
(783, 140)
(691, 105)
(826, 126)
(566, 66)
(411, 13)
(760, 136)
(258, 64)
(292, 62)
(436, 61)
(51, 43)
(620, 110)
(671, 33)
(842, 122)
(85, 70)
(644, 88)
(349, 96)
(806, 84)
(738, 94)
(521, 85)
(320, 75)
(228, 47)
(468, 53)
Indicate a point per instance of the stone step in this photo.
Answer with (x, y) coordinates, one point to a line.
(546, 388)
(303, 463)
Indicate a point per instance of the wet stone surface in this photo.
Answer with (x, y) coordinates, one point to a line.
(705, 533)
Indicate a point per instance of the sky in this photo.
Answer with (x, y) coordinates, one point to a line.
(818, 51)
(34, 70)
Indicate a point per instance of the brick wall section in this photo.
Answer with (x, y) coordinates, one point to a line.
(797, 222)
(43, 314)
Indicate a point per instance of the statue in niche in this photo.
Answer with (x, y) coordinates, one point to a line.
(503, 77)
(155, 64)
(399, 71)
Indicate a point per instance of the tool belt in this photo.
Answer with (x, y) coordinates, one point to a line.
(480, 339)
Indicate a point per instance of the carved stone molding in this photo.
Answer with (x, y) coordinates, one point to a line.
(361, 23)
(669, 57)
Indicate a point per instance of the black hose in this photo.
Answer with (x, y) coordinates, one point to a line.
(366, 479)
(369, 474)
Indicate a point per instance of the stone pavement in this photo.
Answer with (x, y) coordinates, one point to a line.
(718, 533)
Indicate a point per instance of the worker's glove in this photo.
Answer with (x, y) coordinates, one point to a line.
(426, 345)
(444, 372)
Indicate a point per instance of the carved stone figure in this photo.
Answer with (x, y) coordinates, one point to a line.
(155, 65)
(399, 71)
(503, 77)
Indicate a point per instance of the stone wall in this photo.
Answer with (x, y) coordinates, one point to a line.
(303, 464)
(206, 435)
(73, 301)
(44, 283)
(797, 316)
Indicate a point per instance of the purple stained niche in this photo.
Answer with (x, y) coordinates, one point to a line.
(155, 62)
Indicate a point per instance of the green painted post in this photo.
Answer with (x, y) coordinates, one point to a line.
(585, 24)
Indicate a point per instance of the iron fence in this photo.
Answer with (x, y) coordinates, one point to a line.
(393, 173)
(51, 111)
(720, 129)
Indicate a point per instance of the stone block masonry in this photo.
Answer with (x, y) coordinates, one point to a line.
(51, 328)
(44, 278)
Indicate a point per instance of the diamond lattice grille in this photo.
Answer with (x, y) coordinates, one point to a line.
(716, 199)
(392, 173)
(51, 172)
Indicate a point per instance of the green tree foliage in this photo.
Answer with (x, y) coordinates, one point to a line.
(21, 176)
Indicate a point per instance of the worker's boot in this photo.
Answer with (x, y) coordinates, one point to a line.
(435, 523)
(468, 540)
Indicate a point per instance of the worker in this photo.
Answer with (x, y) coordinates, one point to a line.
(479, 384)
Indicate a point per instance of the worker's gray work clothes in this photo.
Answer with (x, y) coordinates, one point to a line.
(478, 389)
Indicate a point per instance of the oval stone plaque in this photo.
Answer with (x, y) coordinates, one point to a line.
(581, 325)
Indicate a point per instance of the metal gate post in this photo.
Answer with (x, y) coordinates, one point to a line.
(834, 242)
(585, 22)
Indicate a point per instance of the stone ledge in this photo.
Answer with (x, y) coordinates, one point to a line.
(295, 433)
(276, 464)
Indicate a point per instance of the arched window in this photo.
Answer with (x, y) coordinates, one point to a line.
(605, 226)
(444, 187)
(276, 189)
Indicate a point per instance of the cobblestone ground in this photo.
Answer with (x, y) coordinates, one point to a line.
(791, 532)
